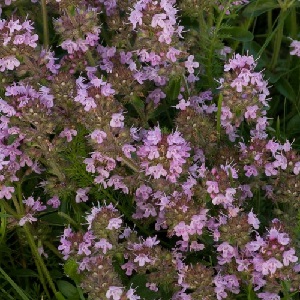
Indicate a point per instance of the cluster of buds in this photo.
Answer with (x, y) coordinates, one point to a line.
(196, 123)
(79, 29)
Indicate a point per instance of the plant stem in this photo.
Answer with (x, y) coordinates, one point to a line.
(39, 261)
(278, 40)
(45, 23)
(67, 217)
(52, 248)
(209, 67)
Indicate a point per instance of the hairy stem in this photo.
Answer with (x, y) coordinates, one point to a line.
(38, 259)
(45, 23)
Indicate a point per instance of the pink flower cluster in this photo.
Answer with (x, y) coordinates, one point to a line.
(248, 98)
(16, 38)
(163, 156)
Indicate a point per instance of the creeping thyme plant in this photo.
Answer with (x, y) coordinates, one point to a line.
(149, 149)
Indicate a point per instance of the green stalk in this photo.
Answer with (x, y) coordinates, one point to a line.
(209, 69)
(52, 248)
(20, 196)
(67, 217)
(38, 259)
(16, 204)
(220, 100)
(270, 21)
(45, 23)
(278, 40)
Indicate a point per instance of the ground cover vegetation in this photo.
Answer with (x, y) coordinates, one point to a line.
(149, 149)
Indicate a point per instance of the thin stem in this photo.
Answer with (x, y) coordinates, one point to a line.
(45, 24)
(52, 248)
(130, 164)
(39, 261)
(278, 40)
(19, 196)
(16, 204)
(209, 69)
(67, 217)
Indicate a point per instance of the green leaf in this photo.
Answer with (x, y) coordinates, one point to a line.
(24, 273)
(138, 105)
(139, 283)
(68, 289)
(14, 285)
(254, 48)
(59, 296)
(173, 88)
(53, 219)
(293, 125)
(70, 269)
(285, 89)
(238, 34)
(256, 8)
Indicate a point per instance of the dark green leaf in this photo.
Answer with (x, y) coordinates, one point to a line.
(238, 34)
(68, 289)
(173, 88)
(24, 273)
(139, 105)
(284, 87)
(70, 269)
(139, 283)
(259, 7)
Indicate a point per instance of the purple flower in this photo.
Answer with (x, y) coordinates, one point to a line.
(117, 120)
(270, 266)
(142, 259)
(190, 64)
(28, 218)
(54, 201)
(114, 292)
(68, 133)
(81, 195)
(296, 45)
(98, 136)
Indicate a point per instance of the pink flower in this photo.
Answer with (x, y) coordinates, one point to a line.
(253, 220)
(117, 120)
(157, 171)
(114, 292)
(68, 133)
(6, 191)
(268, 296)
(190, 64)
(296, 169)
(288, 256)
(296, 45)
(127, 149)
(98, 136)
(81, 195)
(104, 245)
(142, 259)
(70, 46)
(131, 296)
(270, 266)
(114, 223)
(226, 249)
(28, 218)
(182, 105)
(54, 201)
(136, 18)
